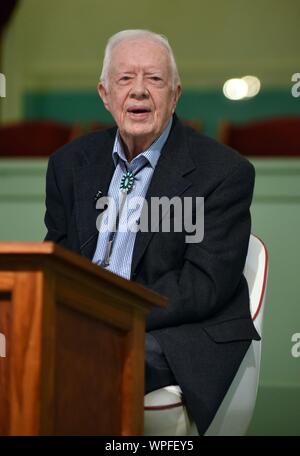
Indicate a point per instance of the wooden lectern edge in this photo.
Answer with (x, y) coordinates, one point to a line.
(59, 360)
(67, 256)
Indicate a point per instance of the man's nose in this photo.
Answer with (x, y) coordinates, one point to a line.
(139, 88)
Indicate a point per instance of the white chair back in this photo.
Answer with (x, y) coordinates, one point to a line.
(236, 410)
(164, 416)
(255, 271)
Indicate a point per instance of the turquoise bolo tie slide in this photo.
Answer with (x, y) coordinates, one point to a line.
(127, 182)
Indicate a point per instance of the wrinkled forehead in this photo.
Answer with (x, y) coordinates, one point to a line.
(140, 54)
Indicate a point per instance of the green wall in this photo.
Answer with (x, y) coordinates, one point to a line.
(58, 45)
(51, 57)
(208, 106)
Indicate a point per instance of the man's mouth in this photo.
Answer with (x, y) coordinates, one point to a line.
(138, 111)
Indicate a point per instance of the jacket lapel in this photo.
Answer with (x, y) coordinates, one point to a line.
(167, 180)
(88, 180)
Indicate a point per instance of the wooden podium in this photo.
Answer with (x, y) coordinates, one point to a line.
(74, 333)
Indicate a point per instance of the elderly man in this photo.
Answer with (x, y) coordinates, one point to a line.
(201, 337)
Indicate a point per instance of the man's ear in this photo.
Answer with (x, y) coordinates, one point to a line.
(177, 93)
(103, 94)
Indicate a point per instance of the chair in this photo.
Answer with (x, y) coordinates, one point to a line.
(193, 123)
(39, 138)
(274, 136)
(80, 129)
(164, 412)
(32, 138)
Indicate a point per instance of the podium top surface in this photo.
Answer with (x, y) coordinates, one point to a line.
(27, 255)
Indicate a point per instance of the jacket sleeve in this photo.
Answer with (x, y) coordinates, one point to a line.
(212, 269)
(55, 218)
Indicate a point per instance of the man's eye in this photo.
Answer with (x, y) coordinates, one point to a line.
(125, 78)
(155, 78)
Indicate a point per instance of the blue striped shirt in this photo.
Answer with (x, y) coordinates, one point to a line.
(121, 255)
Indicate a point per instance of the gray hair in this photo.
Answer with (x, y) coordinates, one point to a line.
(137, 34)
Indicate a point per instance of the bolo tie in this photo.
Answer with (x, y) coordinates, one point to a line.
(126, 185)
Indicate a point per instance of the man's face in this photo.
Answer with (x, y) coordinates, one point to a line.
(140, 93)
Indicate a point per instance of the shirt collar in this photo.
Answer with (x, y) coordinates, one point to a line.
(151, 154)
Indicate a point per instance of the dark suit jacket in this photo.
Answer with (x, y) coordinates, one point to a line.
(206, 329)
